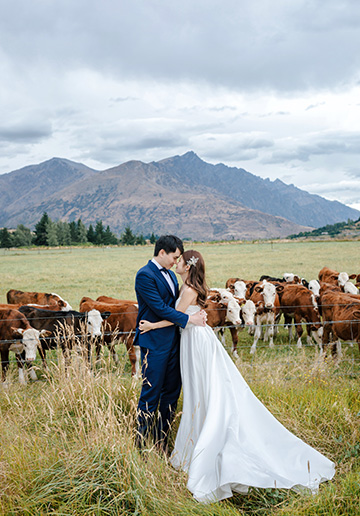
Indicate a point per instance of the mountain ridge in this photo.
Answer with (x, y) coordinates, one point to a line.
(181, 194)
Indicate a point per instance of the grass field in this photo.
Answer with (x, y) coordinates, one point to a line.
(67, 441)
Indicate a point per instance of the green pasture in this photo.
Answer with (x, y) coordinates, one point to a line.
(77, 272)
(67, 439)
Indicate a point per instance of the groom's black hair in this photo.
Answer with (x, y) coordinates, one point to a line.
(169, 243)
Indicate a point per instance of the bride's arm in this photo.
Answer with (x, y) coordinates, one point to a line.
(188, 297)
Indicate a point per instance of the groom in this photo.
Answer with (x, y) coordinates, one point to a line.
(157, 289)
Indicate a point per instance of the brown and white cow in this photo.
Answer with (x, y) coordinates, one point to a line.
(341, 318)
(18, 336)
(65, 327)
(37, 298)
(250, 285)
(327, 275)
(298, 302)
(267, 304)
(238, 312)
(121, 324)
(248, 313)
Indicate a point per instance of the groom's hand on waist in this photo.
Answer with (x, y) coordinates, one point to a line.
(199, 319)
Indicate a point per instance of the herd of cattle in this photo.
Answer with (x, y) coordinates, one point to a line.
(329, 307)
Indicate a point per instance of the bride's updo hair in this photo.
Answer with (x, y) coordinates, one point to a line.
(196, 277)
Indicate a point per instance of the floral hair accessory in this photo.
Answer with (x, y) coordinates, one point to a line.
(192, 261)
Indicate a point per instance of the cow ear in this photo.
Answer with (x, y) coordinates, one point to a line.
(279, 288)
(17, 331)
(258, 289)
(45, 333)
(216, 297)
(105, 315)
(352, 276)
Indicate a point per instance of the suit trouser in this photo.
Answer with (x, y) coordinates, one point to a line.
(161, 389)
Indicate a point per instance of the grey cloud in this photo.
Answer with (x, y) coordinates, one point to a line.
(353, 172)
(295, 45)
(26, 133)
(323, 145)
(313, 106)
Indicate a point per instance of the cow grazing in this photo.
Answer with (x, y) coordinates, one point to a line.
(266, 302)
(63, 326)
(38, 298)
(120, 324)
(18, 336)
(298, 303)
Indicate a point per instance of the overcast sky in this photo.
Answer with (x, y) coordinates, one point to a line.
(269, 86)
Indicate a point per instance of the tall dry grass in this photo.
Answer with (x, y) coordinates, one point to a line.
(67, 441)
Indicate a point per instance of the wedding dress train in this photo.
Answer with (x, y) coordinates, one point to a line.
(227, 439)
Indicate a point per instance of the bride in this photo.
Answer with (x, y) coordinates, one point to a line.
(227, 439)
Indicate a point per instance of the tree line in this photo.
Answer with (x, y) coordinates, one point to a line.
(58, 233)
(331, 230)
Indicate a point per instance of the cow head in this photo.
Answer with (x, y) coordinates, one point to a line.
(342, 278)
(269, 293)
(248, 310)
(314, 286)
(30, 341)
(240, 289)
(233, 312)
(94, 321)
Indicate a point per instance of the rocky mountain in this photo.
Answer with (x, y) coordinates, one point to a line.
(182, 195)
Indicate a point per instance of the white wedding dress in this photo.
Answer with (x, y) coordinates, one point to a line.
(227, 439)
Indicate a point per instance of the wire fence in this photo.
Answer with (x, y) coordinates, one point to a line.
(283, 341)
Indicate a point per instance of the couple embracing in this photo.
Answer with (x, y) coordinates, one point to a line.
(227, 440)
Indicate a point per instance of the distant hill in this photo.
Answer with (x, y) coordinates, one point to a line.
(349, 230)
(182, 195)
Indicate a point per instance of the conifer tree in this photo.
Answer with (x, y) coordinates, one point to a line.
(99, 233)
(91, 234)
(81, 232)
(128, 237)
(22, 236)
(5, 238)
(73, 232)
(52, 234)
(41, 230)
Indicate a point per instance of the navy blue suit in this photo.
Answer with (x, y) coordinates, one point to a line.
(160, 350)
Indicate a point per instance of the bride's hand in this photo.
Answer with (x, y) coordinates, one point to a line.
(145, 326)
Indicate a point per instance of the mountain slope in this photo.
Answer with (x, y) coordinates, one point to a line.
(30, 185)
(273, 197)
(182, 194)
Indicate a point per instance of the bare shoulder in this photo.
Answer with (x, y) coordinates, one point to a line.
(188, 294)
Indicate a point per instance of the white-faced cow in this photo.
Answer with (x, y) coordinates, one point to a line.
(266, 302)
(18, 336)
(65, 327)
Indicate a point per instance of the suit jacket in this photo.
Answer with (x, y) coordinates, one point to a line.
(157, 302)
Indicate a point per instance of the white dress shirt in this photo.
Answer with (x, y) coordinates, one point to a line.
(166, 275)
